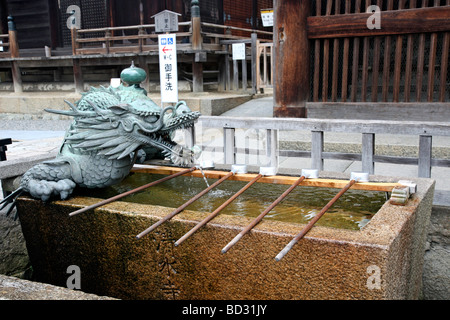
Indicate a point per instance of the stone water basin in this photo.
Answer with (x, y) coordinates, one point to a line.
(381, 259)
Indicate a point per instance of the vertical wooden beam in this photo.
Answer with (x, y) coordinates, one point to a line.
(14, 51)
(143, 64)
(227, 69)
(444, 64)
(368, 151)
(108, 43)
(197, 44)
(444, 67)
(75, 45)
(78, 75)
(235, 75)
(432, 62)
(317, 58)
(387, 61)
(335, 67)
(197, 74)
(16, 76)
(355, 66)
(292, 58)
(244, 74)
(12, 35)
(196, 40)
(316, 150)
(221, 79)
(409, 54)
(326, 58)
(420, 62)
(344, 90)
(254, 38)
(425, 146)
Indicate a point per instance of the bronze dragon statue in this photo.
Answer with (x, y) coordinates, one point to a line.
(112, 127)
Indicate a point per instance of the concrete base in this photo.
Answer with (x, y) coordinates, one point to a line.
(381, 261)
(32, 104)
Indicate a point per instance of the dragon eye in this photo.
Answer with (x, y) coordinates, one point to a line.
(150, 119)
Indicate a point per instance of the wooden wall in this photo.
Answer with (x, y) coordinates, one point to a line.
(33, 22)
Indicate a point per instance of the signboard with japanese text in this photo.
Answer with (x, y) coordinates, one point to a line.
(166, 21)
(238, 50)
(168, 72)
(267, 17)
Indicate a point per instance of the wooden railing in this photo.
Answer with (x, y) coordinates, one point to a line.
(114, 40)
(4, 53)
(264, 63)
(271, 128)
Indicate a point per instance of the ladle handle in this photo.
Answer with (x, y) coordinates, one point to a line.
(261, 216)
(217, 211)
(183, 206)
(308, 227)
(119, 196)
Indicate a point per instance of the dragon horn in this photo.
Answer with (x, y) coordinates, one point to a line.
(97, 109)
(73, 113)
(71, 105)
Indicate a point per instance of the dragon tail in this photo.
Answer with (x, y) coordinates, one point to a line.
(11, 199)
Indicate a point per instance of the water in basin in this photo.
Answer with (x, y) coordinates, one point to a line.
(352, 211)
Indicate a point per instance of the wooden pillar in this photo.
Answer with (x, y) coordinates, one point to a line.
(196, 26)
(197, 42)
(77, 72)
(14, 51)
(78, 75)
(144, 65)
(74, 35)
(291, 63)
(197, 76)
(254, 61)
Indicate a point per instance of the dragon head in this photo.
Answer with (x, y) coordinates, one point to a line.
(117, 131)
(160, 129)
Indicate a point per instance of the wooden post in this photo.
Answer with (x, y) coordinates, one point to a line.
(13, 45)
(235, 75)
(254, 60)
(14, 51)
(74, 35)
(78, 75)
(196, 26)
(244, 74)
(143, 64)
(196, 42)
(292, 58)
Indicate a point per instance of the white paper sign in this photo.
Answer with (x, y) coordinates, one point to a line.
(238, 51)
(267, 17)
(168, 73)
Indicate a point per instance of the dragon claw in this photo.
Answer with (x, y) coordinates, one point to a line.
(44, 189)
